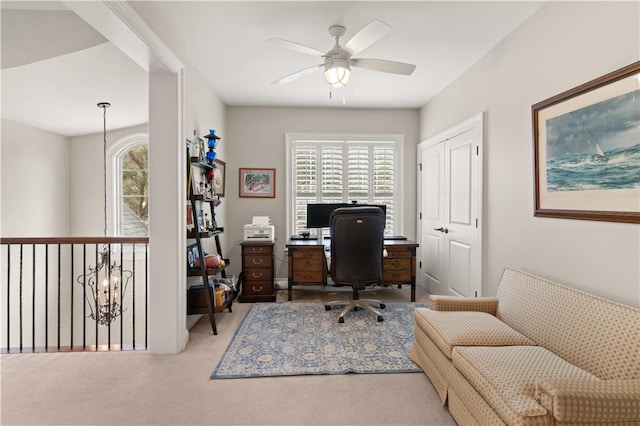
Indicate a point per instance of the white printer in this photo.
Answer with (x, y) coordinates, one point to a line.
(260, 229)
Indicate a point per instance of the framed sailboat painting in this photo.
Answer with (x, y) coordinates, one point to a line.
(587, 150)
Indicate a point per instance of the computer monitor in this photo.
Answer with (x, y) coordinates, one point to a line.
(318, 214)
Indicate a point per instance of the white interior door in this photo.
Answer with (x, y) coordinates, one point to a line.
(450, 207)
(432, 212)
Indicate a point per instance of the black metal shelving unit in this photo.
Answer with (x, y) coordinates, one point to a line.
(202, 300)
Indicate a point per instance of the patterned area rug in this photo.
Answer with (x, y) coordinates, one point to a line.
(293, 338)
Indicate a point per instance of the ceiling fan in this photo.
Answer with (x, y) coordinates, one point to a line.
(339, 60)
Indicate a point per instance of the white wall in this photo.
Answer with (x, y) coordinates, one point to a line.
(562, 46)
(256, 138)
(35, 182)
(205, 111)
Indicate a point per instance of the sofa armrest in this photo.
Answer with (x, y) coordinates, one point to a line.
(452, 303)
(589, 400)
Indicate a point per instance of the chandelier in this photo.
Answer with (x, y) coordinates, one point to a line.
(106, 283)
(105, 288)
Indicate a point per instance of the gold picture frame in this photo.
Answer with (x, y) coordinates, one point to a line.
(587, 150)
(257, 183)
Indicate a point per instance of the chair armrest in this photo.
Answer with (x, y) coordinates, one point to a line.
(589, 400)
(452, 303)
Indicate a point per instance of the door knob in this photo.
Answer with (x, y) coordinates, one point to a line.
(441, 229)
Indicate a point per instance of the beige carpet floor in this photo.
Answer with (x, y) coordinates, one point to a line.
(122, 388)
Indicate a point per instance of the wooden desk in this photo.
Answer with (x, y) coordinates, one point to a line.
(308, 265)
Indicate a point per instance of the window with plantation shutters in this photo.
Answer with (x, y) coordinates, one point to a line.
(322, 169)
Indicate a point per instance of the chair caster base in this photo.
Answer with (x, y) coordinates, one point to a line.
(380, 319)
(341, 320)
(382, 306)
(327, 308)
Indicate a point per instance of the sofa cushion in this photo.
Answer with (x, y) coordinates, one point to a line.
(507, 376)
(465, 328)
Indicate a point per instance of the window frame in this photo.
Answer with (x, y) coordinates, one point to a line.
(115, 152)
(292, 139)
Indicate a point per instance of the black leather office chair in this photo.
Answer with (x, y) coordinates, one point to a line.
(357, 245)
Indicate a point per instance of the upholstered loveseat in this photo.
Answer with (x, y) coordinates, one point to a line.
(539, 353)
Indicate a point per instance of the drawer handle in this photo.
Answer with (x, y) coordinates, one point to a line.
(257, 250)
(257, 275)
(256, 288)
(257, 261)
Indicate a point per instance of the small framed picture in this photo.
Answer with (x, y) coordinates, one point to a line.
(219, 177)
(196, 180)
(189, 217)
(192, 254)
(257, 183)
(201, 149)
(201, 224)
(189, 147)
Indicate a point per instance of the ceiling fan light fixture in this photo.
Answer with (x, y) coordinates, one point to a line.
(339, 60)
(337, 72)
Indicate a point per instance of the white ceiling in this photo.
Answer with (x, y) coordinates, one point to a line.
(56, 68)
(52, 78)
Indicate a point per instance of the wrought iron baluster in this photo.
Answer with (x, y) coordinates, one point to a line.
(8, 298)
(46, 297)
(20, 298)
(133, 303)
(71, 308)
(59, 295)
(33, 298)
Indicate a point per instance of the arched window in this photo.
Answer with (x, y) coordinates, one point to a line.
(129, 189)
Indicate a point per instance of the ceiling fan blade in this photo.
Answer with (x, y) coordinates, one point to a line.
(373, 32)
(295, 46)
(383, 65)
(297, 75)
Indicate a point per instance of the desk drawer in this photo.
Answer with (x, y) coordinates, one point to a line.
(393, 264)
(257, 249)
(394, 253)
(400, 276)
(258, 274)
(308, 253)
(309, 264)
(251, 289)
(257, 261)
(305, 276)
